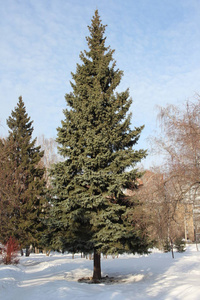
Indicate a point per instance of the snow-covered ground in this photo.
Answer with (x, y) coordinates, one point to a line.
(156, 276)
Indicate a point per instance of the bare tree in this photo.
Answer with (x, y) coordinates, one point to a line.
(160, 200)
(180, 146)
(51, 155)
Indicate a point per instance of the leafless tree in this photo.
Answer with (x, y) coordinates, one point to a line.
(160, 201)
(51, 155)
(179, 144)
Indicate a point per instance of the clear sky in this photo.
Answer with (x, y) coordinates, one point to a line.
(156, 42)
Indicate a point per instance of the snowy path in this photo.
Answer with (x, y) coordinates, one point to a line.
(156, 276)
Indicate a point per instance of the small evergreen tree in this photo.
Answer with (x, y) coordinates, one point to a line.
(90, 211)
(180, 244)
(24, 221)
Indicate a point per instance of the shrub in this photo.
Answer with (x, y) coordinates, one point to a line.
(9, 252)
(180, 245)
(166, 246)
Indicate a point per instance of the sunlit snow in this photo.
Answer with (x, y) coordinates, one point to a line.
(156, 276)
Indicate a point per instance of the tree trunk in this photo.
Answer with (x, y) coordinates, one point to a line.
(172, 247)
(97, 266)
(27, 251)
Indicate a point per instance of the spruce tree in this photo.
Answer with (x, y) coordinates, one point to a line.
(91, 212)
(8, 196)
(27, 173)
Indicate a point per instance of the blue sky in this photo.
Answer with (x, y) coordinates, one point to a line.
(156, 42)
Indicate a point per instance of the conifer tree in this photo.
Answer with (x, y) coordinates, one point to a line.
(27, 178)
(91, 212)
(8, 196)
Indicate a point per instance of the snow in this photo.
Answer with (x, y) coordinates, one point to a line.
(153, 276)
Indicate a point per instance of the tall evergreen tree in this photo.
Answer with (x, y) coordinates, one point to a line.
(8, 195)
(90, 210)
(27, 178)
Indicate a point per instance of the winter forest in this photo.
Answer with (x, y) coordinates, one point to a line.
(82, 212)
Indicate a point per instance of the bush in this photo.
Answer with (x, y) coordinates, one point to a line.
(166, 246)
(9, 252)
(180, 245)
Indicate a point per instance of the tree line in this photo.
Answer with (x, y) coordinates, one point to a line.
(78, 203)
